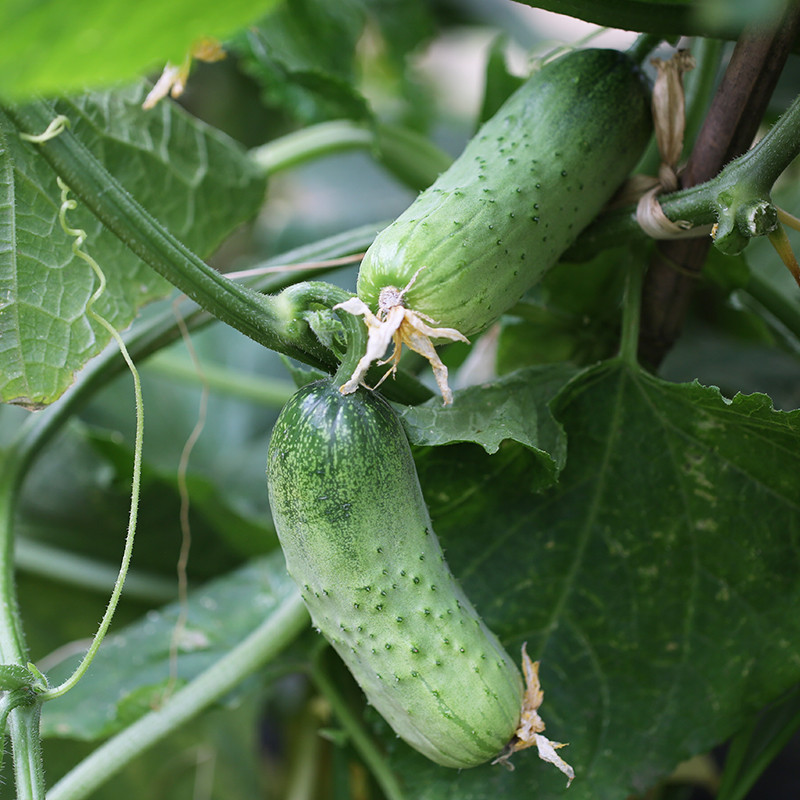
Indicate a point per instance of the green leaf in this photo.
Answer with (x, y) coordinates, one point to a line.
(219, 753)
(303, 56)
(52, 48)
(191, 177)
(657, 583)
(514, 407)
(78, 498)
(500, 82)
(136, 661)
(14, 676)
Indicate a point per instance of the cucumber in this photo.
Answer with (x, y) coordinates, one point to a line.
(530, 180)
(358, 541)
(536, 174)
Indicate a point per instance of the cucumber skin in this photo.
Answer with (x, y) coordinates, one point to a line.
(525, 186)
(358, 542)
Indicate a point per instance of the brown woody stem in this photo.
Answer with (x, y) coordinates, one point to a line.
(728, 131)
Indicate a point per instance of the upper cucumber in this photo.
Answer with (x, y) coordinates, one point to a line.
(525, 186)
(358, 541)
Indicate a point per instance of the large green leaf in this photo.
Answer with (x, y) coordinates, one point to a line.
(657, 583)
(51, 47)
(133, 668)
(195, 180)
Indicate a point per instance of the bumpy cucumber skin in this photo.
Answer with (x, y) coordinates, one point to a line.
(530, 180)
(358, 541)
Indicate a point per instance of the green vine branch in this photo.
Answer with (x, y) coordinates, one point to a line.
(21, 721)
(737, 199)
(408, 155)
(260, 317)
(23, 727)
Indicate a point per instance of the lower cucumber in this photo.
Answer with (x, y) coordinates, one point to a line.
(358, 541)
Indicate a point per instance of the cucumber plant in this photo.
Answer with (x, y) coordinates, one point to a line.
(608, 521)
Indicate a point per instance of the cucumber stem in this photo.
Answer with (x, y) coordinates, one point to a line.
(22, 721)
(408, 155)
(303, 297)
(643, 46)
(303, 780)
(756, 745)
(268, 392)
(745, 181)
(309, 143)
(776, 302)
(254, 314)
(12, 643)
(70, 569)
(699, 85)
(23, 726)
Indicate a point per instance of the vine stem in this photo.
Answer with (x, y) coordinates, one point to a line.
(12, 644)
(258, 316)
(754, 747)
(79, 237)
(269, 392)
(777, 303)
(311, 142)
(303, 778)
(23, 721)
(23, 725)
(644, 45)
(756, 171)
(70, 569)
(728, 130)
(263, 644)
(411, 157)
